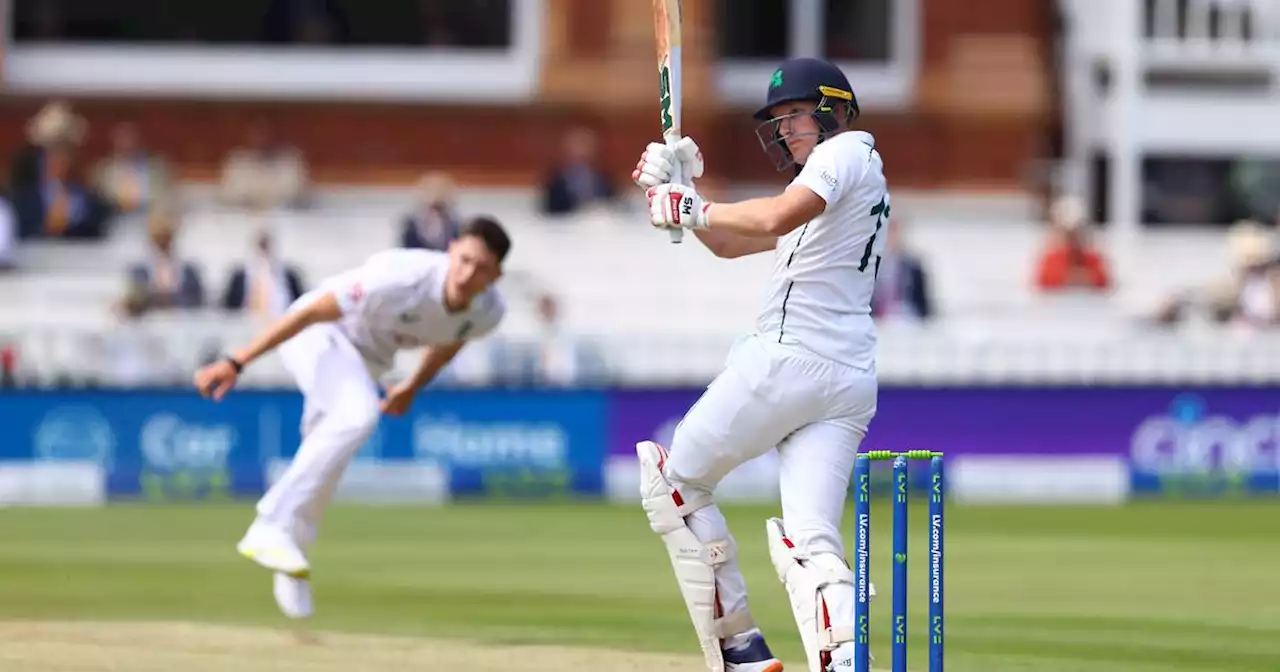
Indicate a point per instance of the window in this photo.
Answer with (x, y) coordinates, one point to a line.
(876, 42)
(475, 24)
(477, 51)
(754, 28)
(858, 30)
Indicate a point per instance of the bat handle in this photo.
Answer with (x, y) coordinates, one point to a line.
(677, 177)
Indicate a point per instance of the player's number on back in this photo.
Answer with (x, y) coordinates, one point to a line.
(881, 213)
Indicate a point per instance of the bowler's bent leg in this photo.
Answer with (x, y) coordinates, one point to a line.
(343, 410)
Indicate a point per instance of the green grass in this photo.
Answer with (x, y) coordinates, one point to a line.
(1154, 586)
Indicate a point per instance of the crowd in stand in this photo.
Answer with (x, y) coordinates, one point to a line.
(56, 192)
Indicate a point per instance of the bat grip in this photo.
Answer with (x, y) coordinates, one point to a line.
(677, 177)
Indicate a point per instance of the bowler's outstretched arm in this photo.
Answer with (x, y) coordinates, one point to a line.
(323, 309)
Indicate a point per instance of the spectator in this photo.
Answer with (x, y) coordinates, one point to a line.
(433, 222)
(57, 205)
(902, 285)
(266, 285)
(54, 124)
(131, 354)
(266, 174)
(578, 182)
(1252, 300)
(8, 366)
(131, 178)
(1250, 297)
(168, 282)
(558, 357)
(1070, 261)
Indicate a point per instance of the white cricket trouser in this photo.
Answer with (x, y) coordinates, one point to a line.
(341, 412)
(815, 411)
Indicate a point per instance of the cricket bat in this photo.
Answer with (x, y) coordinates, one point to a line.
(666, 28)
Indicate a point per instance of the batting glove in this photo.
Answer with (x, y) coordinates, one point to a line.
(677, 206)
(654, 166)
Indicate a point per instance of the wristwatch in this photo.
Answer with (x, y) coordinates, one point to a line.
(235, 363)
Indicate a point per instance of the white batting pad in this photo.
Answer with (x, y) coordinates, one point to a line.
(804, 578)
(693, 561)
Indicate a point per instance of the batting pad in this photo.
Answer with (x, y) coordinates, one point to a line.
(805, 577)
(693, 561)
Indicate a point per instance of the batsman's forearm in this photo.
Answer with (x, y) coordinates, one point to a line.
(755, 218)
(731, 246)
(324, 309)
(716, 241)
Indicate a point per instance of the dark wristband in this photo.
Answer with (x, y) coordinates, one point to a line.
(235, 363)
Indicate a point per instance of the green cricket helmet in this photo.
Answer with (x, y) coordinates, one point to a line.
(811, 79)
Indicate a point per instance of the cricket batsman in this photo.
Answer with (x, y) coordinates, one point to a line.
(803, 381)
(338, 341)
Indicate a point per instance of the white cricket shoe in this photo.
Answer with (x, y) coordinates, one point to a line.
(842, 659)
(270, 547)
(293, 595)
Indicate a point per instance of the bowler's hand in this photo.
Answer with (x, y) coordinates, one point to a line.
(677, 206)
(216, 380)
(398, 400)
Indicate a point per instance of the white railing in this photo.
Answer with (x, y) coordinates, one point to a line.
(1220, 29)
(166, 352)
(1195, 33)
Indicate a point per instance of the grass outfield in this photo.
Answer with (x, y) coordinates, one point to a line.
(1157, 586)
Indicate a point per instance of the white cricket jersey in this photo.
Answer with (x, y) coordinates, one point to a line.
(395, 301)
(824, 272)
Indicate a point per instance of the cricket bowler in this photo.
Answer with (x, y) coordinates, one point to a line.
(338, 341)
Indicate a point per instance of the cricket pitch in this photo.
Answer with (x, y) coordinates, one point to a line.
(35, 646)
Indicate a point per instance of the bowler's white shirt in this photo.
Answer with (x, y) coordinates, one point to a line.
(824, 272)
(395, 301)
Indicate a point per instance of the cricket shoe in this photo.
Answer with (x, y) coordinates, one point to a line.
(754, 656)
(293, 595)
(842, 659)
(270, 547)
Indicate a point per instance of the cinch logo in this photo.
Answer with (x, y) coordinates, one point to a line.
(1191, 441)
